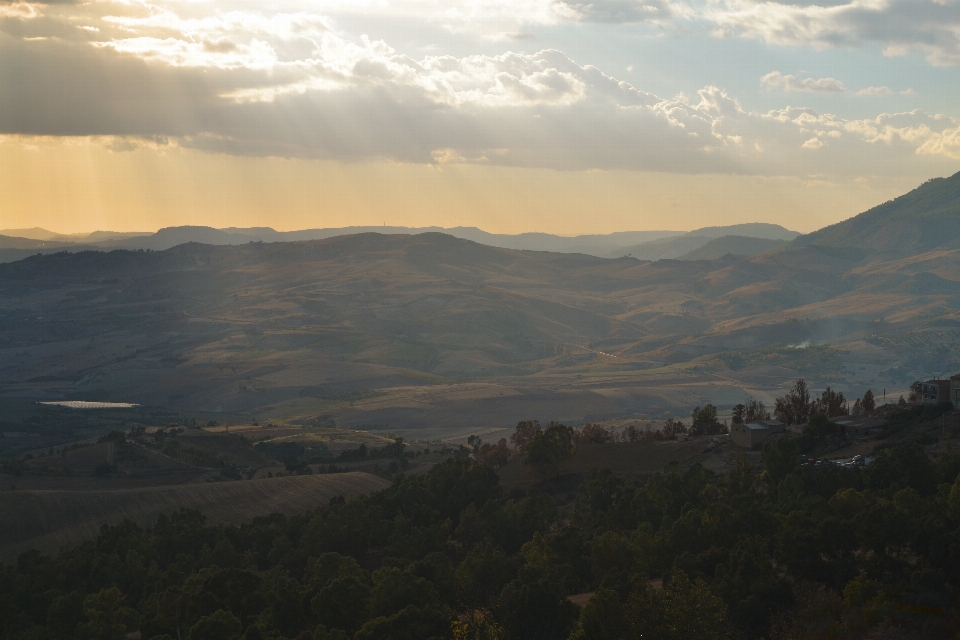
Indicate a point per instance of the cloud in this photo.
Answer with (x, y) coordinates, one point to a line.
(499, 17)
(875, 91)
(293, 85)
(619, 11)
(20, 10)
(789, 83)
(899, 26)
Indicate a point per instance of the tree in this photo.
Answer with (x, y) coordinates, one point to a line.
(534, 609)
(603, 617)
(780, 457)
(691, 611)
(857, 407)
(550, 446)
(220, 625)
(819, 428)
(525, 432)
(916, 392)
(108, 617)
(705, 421)
(410, 623)
(869, 402)
(794, 407)
(831, 404)
(592, 434)
(756, 411)
(474, 442)
(739, 413)
(494, 456)
(683, 610)
(476, 624)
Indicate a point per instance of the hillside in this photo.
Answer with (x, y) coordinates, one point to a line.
(732, 245)
(13, 242)
(762, 230)
(924, 219)
(678, 247)
(664, 248)
(49, 520)
(445, 336)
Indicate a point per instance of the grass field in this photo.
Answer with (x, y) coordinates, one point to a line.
(48, 520)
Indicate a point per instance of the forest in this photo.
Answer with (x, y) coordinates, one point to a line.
(783, 550)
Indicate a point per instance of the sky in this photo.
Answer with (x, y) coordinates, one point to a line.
(523, 115)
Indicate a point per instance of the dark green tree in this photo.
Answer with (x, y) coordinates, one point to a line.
(550, 447)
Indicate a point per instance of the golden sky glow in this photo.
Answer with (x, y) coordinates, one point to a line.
(78, 184)
(560, 116)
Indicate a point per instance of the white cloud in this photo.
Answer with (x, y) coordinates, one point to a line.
(19, 10)
(790, 83)
(875, 91)
(946, 142)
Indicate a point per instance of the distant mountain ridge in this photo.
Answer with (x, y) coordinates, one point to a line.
(738, 239)
(733, 245)
(612, 245)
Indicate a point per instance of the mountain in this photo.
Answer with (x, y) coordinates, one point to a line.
(924, 219)
(732, 245)
(655, 244)
(12, 242)
(595, 245)
(34, 233)
(429, 332)
(598, 245)
(750, 230)
(678, 247)
(664, 248)
(37, 233)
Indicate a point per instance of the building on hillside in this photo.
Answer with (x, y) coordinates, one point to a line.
(861, 427)
(753, 434)
(937, 391)
(955, 390)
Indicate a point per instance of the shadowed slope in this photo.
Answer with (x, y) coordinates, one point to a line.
(923, 219)
(48, 520)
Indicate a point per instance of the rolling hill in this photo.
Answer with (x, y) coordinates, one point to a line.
(47, 520)
(732, 245)
(440, 335)
(924, 219)
(678, 247)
